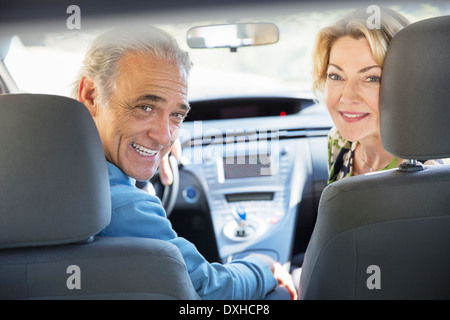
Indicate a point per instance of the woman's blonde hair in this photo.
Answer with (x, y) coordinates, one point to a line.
(355, 26)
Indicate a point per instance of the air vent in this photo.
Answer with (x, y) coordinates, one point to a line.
(257, 135)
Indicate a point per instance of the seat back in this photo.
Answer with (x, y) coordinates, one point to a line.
(386, 235)
(54, 199)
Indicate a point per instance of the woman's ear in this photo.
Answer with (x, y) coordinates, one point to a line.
(87, 94)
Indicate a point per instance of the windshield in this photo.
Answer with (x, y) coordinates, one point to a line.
(48, 64)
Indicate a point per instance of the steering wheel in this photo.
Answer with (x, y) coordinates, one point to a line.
(167, 194)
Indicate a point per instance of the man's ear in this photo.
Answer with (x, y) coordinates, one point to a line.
(87, 94)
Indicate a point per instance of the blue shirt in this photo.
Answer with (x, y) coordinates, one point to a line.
(136, 213)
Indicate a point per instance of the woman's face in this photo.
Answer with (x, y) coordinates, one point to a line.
(352, 89)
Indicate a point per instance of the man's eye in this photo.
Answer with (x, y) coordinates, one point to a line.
(145, 108)
(179, 116)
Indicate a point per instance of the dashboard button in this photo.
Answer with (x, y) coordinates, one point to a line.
(190, 194)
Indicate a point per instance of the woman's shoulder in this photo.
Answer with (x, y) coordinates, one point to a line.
(336, 142)
(340, 153)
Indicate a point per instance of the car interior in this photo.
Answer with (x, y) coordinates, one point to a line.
(253, 173)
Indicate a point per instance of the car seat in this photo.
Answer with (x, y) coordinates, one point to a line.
(386, 235)
(54, 199)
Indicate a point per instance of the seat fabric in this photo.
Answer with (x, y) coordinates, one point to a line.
(54, 200)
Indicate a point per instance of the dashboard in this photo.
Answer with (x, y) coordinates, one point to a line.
(251, 184)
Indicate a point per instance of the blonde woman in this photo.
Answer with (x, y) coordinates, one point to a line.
(348, 64)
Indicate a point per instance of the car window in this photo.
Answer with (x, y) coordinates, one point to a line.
(48, 63)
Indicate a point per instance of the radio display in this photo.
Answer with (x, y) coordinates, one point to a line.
(247, 166)
(252, 196)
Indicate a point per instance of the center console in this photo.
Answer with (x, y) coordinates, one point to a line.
(253, 190)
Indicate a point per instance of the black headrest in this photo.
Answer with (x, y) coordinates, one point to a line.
(415, 91)
(54, 185)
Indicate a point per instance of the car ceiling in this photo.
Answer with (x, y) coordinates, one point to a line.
(19, 10)
(30, 19)
(16, 12)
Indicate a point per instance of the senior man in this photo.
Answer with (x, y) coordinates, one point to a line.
(135, 87)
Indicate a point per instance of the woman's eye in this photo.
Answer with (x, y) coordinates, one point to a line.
(334, 76)
(373, 79)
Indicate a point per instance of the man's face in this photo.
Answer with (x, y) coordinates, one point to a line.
(145, 112)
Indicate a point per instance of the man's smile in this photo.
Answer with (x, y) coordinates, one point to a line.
(143, 151)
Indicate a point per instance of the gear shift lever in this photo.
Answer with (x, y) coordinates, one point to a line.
(240, 215)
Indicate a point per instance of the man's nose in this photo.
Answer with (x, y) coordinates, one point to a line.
(161, 131)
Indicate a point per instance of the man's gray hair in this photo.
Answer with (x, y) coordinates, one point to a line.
(101, 63)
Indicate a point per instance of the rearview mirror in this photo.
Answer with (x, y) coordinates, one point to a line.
(232, 35)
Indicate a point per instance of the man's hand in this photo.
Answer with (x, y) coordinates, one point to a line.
(284, 279)
(280, 273)
(165, 173)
